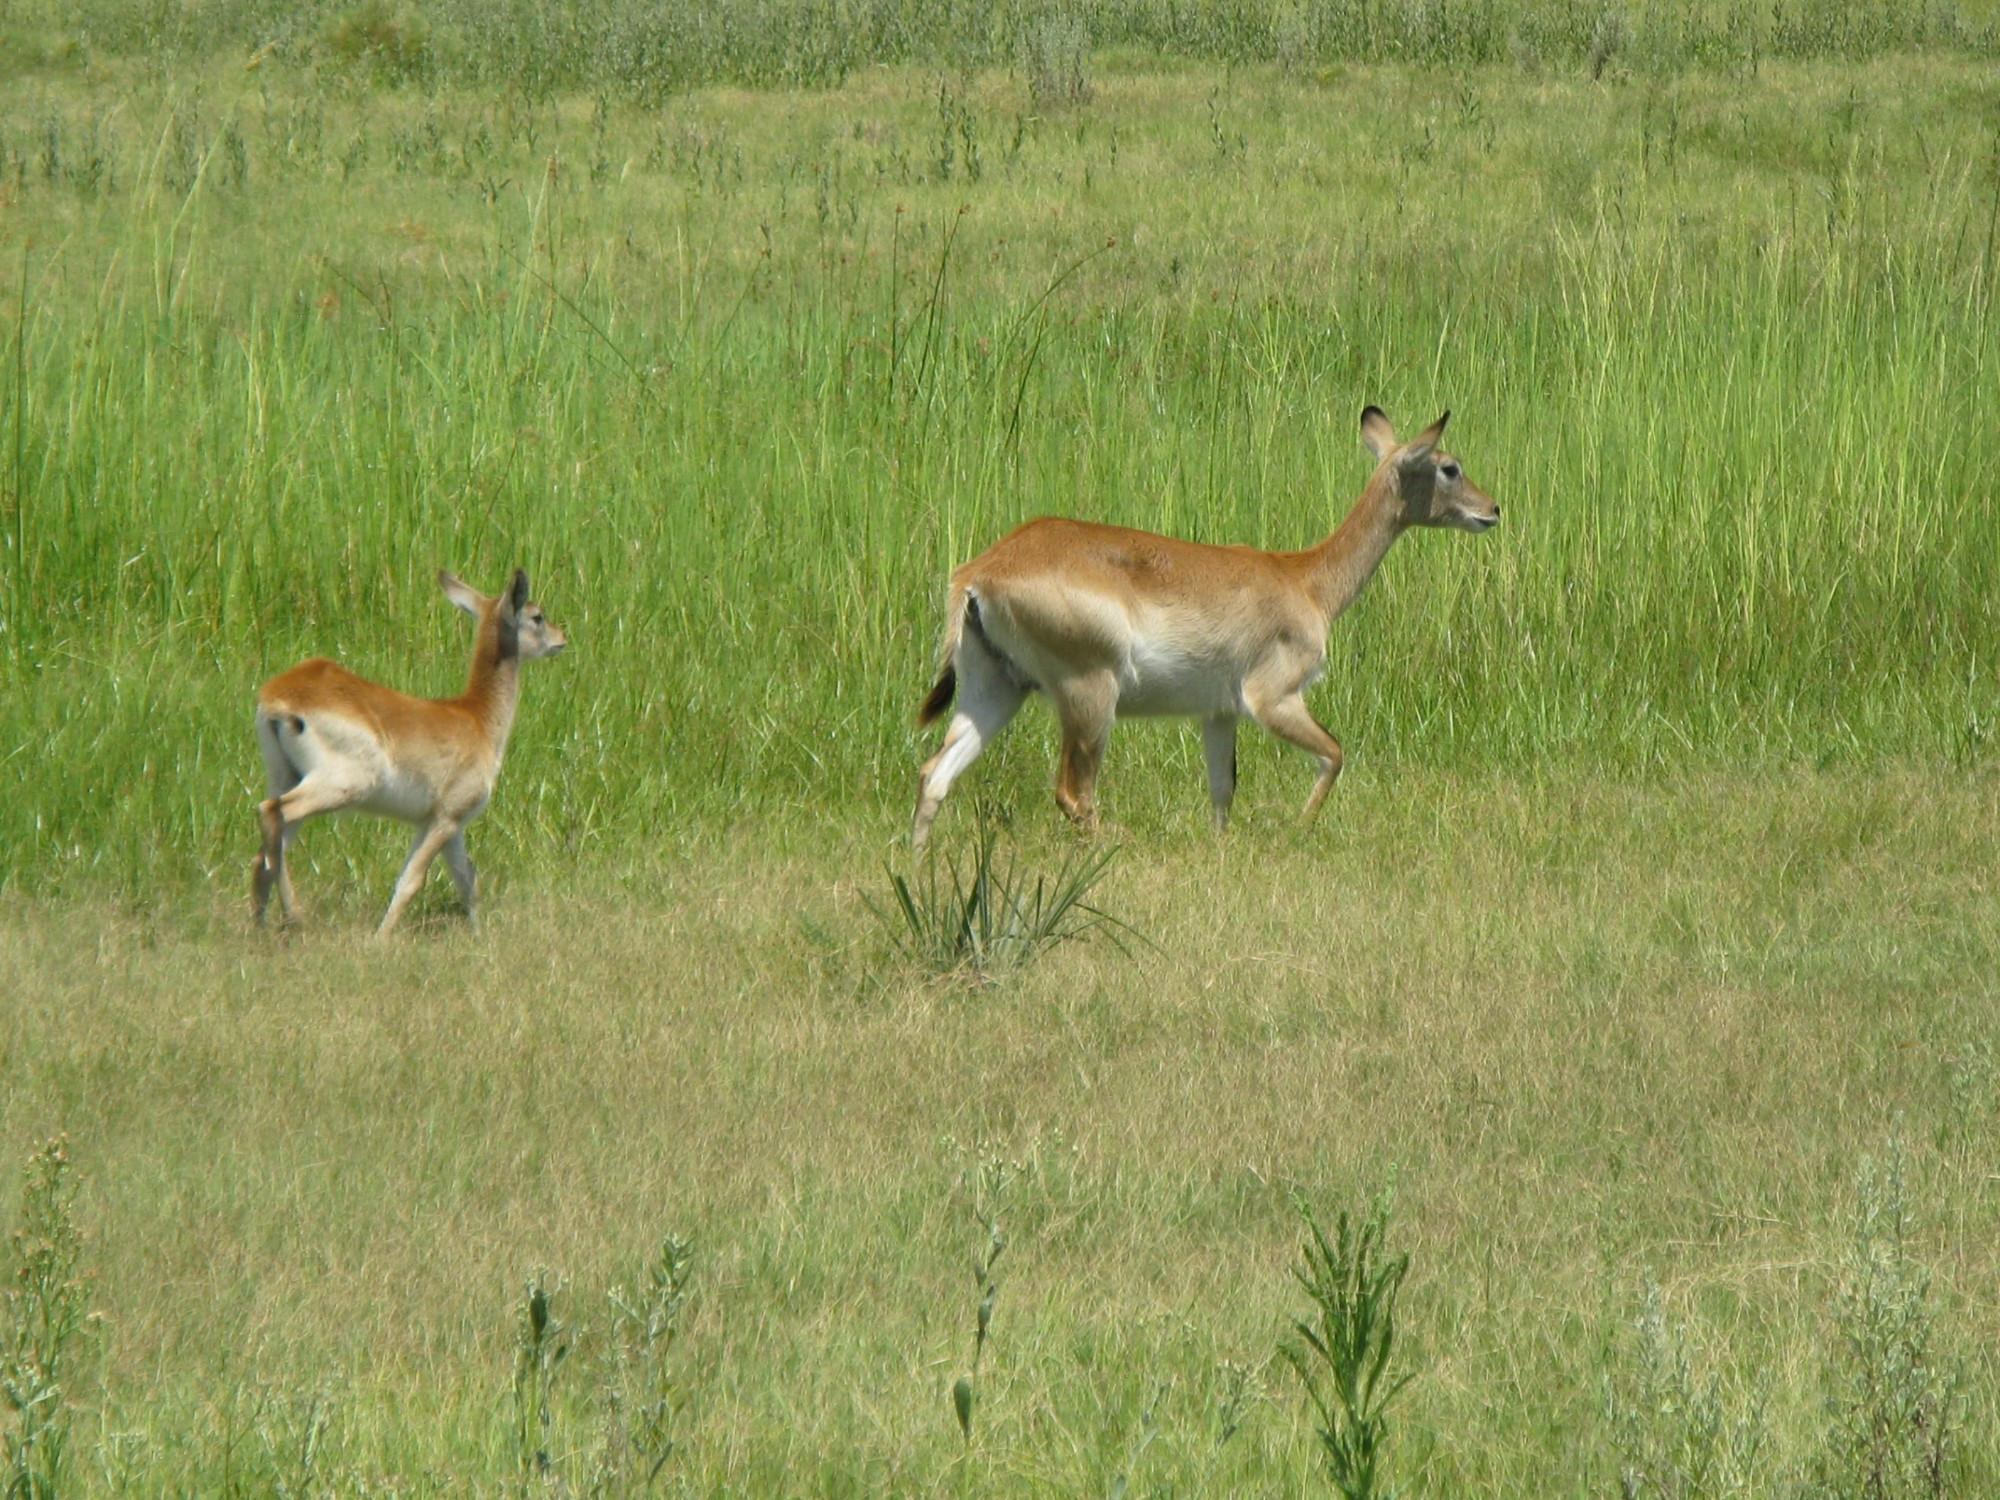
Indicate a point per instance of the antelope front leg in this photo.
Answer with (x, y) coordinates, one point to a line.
(1290, 720)
(422, 852)
(1218, 748)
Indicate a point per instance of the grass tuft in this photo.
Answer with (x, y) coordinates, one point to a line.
(987, 917)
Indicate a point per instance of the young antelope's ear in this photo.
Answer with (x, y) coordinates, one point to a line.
(517, 595)
(1377, 433)
(460, 593)
(1424, 443)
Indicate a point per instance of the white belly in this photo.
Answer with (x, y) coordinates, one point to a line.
(1159, 680)
(400, 796)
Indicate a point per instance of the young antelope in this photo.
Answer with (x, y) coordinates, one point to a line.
(335, 742)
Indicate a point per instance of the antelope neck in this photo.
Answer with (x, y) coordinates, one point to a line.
(493, 687)
(1338, 569)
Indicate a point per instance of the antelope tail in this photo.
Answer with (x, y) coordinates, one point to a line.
(946, 686)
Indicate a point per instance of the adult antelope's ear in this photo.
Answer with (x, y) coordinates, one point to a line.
(463, 594)
(517, 595)
(1377, 433)
(1423, 444)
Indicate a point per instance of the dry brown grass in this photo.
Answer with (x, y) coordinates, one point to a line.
(1595, 1029)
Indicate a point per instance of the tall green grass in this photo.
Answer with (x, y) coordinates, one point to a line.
(738, 390)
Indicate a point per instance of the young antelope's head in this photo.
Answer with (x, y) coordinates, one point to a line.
(1433, 486)
(523, 631)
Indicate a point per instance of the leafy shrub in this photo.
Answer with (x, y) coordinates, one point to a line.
(642, 1392)
(541, 1347)
(394, 43)
(46, 1328)
(1893, 1430)
(1055, 60)
(1674, 1432)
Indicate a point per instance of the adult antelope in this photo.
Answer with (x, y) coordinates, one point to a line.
(1109, 621)
(336, 742)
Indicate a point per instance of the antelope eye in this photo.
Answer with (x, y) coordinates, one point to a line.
(1449, 470)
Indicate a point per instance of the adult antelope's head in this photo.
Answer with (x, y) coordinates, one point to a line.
(521, 631)
(1432, 486)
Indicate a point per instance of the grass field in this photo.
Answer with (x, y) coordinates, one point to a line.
(1601, 1033)
(1654, 920)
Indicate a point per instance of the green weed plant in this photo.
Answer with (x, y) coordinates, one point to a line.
(1344, 1347)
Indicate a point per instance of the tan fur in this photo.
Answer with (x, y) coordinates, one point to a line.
(1107, 621)
(333, 741)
